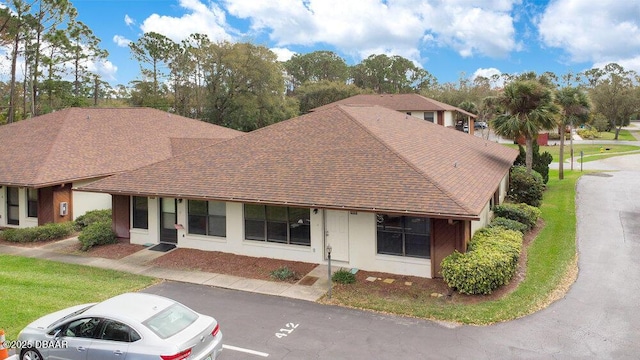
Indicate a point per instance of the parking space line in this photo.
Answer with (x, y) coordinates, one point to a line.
(248, 351)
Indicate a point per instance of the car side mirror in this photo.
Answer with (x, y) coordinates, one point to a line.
(56, 335)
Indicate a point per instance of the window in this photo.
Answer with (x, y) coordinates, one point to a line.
(207, 218)
(404, 235)
(140, 212)
(429, 116)
(116, 331)
(83, 328)
(32, 203)
(171, 320)
(13, 206)
(285, 225)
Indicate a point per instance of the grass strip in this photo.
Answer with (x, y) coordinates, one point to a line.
(34, 287)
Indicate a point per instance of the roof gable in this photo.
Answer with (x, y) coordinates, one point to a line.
(366, 158)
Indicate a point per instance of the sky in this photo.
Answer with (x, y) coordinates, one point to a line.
(448, 38)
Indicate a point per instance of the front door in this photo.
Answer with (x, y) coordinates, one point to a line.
(168, 220)
(337, 234)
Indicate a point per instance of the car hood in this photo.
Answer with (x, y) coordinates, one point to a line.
(50, 319)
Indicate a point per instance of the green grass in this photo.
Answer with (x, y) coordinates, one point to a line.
(623, 135)
(550, 258)
(34, 287)
(598, 150)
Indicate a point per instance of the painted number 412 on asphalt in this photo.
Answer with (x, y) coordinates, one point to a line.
(288, 330)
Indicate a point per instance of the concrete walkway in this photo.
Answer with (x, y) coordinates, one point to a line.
(137, 263)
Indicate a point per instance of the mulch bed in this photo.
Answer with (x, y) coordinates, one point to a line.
(230, 264)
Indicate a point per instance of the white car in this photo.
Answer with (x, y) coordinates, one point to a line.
(131, 326)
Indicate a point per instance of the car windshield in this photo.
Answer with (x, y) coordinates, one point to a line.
(77, 312)
(171, 320)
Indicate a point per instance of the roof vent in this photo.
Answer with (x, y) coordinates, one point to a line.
(88, 117)
(455, 164)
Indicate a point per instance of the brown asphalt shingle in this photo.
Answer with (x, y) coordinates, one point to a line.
(84, 143)
(342, 157)
(398, 102)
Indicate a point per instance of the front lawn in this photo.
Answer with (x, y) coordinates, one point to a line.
(550, 269)
(623, 135)
(591, 151)
(34, 287)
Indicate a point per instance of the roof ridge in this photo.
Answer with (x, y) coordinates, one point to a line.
(404, 159)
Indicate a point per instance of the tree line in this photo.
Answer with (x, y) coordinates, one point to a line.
(243, 85)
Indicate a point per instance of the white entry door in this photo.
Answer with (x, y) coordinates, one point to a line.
(337, 234)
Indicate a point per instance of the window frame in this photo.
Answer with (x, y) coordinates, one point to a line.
(431, 118)
(403, 230)
(271, 218)
(13, 205)
(208, 218)
(32, 204)
(137, 213)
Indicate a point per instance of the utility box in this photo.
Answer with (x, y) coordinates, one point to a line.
(64, 208)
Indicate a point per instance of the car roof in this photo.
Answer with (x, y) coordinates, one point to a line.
(131, 306)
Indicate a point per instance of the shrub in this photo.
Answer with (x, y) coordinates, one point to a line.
(540, 161)
(509, 224)
(91, 217)
(283, 273)
(99, 233)
(588, 133)
(525, 187)
(490, 262)
(50, 231)
(343, 276)
(523, 213)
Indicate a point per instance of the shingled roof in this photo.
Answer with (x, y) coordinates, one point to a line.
(398, 102)
(84, 143)
(365, 158)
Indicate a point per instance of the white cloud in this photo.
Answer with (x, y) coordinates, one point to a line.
(121, 41)
(128, 20)
(105, 68)
(199, 18)
(488, 73)
(375, 26)
(283, 54)
(595, 31)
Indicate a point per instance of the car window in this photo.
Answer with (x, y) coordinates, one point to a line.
(171, 320)
(116, 331)
(84, 328)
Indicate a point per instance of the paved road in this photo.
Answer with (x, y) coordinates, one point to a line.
(599, 317)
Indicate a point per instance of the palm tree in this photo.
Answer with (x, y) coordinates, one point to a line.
(529, 108)
(575, 108)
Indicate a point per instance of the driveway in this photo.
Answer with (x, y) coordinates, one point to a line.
(599, 318)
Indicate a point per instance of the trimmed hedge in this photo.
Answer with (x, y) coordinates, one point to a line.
(99, 233)
(522, 213)
(51, 231)
(91, 217)
(525, 187)
(509, 224)
(491, 261)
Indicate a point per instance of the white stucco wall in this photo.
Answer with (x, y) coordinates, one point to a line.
(87, 201)
(449, 119)
(362, 241)
(152, 234)
(23, 219)
(3, 206)
(487, 214)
